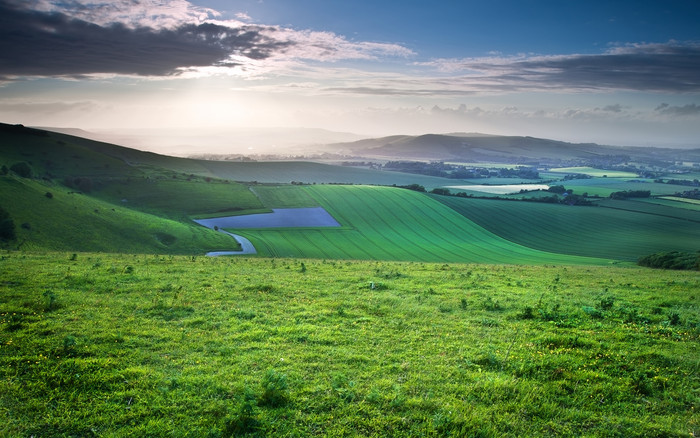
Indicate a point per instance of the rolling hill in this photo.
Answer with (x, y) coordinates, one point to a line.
(77, 194)
(494, 148)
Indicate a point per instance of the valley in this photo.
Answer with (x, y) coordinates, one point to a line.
(388, 303)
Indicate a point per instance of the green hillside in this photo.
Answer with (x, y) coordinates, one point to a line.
(154, 346)
(382, 223)
(70, 221)
(75, 194)
(626, 232)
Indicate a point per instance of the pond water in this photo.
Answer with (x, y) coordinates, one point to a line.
(504, 189)
(279, 218)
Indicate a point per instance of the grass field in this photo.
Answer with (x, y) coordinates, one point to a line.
(682, 202)
(605, 186)
(627, 232)
(127, 345)
(381, 223)
(178, 197)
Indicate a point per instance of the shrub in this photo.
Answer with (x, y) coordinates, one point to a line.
(671, 260)
(22, 169)
(7, 226)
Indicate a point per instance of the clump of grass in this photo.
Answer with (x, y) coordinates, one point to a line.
(606, 303)
(492, 305)
(275, 389)
(674, 318)
(49, 300)
(244, 420)
(343, 387)
(528, 312)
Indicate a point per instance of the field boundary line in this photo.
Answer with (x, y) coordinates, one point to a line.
(650, 213)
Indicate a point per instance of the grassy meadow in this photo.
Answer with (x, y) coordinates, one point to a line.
(421, 315)
(151, 345)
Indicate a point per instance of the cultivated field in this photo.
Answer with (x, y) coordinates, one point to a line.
(381, 223)
(624, 231)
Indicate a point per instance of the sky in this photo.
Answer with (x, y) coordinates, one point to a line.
(610, 72)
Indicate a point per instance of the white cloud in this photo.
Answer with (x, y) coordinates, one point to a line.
(243, 16)
(131, 13)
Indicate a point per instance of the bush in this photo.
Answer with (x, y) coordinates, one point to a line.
(7, 226)
(22, 169)
(671, 260)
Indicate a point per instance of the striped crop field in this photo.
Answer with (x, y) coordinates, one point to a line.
(383, 223)
(640, 205)
(626, 231)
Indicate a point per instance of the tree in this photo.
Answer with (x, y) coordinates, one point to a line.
(440, 191)
(557, 189)
(7, 226)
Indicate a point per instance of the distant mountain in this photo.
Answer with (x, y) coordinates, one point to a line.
(495, 148)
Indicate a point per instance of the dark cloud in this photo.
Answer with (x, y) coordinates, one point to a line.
(34, 43)
(670, 67)
(690, 109)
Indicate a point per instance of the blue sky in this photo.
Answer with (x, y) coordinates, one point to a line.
(614, 72)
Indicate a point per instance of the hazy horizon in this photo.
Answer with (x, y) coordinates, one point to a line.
(622, 74)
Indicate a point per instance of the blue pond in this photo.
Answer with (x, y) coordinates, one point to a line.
(279, 218)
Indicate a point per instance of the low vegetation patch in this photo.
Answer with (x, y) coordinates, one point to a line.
(672, 260)
(159, 345)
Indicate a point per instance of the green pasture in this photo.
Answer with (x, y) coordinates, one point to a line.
(605, 186)
(674, 201)
(179, 196)
(592, 171)
(382, 223)
(631, 230)
(71, 221)
(689, 176)
(163, 346)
